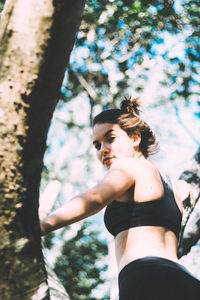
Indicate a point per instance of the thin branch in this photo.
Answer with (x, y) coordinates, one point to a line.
(91, 92)
(48, 198)
(190, 232)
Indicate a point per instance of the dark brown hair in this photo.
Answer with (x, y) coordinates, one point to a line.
(127, 117)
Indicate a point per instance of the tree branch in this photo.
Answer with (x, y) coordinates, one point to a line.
(190, 224)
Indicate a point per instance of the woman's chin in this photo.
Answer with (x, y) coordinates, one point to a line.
(107, 165)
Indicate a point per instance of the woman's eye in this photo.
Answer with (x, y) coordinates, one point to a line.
(97, 146)
(111, 139)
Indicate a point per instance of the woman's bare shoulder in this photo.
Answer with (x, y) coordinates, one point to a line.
(129, 164)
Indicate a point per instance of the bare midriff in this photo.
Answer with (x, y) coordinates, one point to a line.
(139, 242)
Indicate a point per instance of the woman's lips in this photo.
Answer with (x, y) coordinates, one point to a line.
(107, 160)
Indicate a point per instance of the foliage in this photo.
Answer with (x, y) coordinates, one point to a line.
(1, 4)
(117, 37)
(77, 264)
(48, 240)
(183, 73)
(118, 42)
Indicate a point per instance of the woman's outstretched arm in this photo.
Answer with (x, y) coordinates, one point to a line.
(118, 179)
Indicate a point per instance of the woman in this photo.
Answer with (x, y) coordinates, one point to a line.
(143, 212)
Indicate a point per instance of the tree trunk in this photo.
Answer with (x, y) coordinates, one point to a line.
(190, 232)
(36, 38)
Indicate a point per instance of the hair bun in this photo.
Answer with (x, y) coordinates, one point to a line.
(131, 106)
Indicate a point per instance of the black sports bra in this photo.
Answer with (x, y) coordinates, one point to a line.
(164, 212)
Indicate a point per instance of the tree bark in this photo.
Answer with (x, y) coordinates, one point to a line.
(36, 38)
(190, 232)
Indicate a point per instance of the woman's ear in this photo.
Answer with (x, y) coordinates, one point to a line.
(136, 137)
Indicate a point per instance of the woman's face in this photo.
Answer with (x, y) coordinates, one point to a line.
(112, 142)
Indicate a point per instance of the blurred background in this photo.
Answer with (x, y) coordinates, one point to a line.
(147, 49)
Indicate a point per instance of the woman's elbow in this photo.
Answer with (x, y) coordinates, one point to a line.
(95, 200)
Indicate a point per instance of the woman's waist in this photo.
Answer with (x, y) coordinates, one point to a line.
(132, 245)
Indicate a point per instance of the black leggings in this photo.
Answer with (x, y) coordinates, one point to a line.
(154, 278)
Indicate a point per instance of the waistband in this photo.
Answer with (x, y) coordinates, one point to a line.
(152, 260)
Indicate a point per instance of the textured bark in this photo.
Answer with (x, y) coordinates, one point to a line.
(190, 232)
(36, 39)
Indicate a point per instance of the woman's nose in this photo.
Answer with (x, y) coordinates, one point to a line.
(104, 149)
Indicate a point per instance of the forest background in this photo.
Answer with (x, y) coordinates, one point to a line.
(146, 49)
